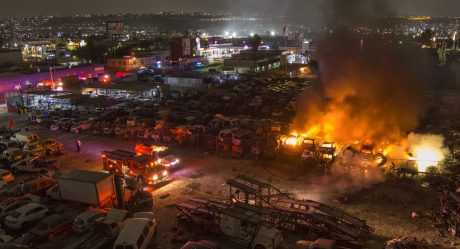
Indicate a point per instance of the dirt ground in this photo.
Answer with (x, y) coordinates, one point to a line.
(386, 205)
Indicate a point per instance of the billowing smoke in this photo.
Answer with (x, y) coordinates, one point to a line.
(369, 89)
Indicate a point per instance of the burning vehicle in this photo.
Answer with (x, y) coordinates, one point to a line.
(143, 168)
(362, 158)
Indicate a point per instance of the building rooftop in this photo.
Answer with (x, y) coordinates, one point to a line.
(261, 54)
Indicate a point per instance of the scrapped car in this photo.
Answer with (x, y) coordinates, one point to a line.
(25, 137)
(5, 176)
(6, 144)
(8, 205)
(137, 232)
(81, 126)
(201, 244)
(25, 216)
(33, 165)
(51, 146)
(36, 186)
(51, 226)
(11, 155)
(84, 221)
(34, 149)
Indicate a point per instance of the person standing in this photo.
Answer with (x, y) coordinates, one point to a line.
(78, 144)
(11, 124)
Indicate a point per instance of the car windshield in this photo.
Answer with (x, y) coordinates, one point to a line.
(15, 214)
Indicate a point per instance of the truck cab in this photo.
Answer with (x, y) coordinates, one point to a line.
(144, 168)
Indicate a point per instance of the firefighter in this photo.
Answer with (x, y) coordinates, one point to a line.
(78, 145)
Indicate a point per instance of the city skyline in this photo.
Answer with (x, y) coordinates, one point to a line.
(309, 9)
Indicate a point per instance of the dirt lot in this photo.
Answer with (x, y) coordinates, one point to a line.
(386, 206)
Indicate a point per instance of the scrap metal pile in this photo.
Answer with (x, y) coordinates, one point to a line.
(269, 206)
(446, 214)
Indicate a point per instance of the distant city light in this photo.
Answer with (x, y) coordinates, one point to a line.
(227, 33)
(252, 34)
(273, 33)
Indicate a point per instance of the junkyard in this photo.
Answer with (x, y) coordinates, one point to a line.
(208, 174)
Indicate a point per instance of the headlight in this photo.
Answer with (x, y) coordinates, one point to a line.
(159, 160)
(165, 172)
(155, 177)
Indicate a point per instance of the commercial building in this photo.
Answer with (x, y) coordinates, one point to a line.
(215, 53)
(10, 57)
(260, 61)
(130, 63)
(183, 47)
(184, 80)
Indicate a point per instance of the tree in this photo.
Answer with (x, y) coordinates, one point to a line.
(255, 43)
(427, 38)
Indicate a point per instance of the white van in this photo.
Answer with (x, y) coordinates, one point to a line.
(136, 234)
(25, 137)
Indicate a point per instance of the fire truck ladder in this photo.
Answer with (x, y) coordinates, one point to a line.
(278, 208)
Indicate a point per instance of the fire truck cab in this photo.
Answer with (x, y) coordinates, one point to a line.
(159, 153)
(141, 167)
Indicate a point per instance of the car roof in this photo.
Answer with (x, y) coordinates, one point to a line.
(90, 213)
(132, 230)
(28, 207)
(145, 215)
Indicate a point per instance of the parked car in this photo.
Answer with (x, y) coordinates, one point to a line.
(5, 238)
(34, 149)
(137, 232)
(8, 205)
(51, 146)
(36, 186)
(25, 216)
(25, 137)
(7, 143)
(51, 226)
(5, 176)
(81, 126)
(33, 165)
(11, 155)
(201, 244)
(84, 221)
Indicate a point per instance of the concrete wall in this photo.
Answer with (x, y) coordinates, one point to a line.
(14, 57)
(183, 82)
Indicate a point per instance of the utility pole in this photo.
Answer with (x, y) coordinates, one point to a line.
(51, 74)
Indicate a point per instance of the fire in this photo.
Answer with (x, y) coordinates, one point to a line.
(427, 156)
(291, 141)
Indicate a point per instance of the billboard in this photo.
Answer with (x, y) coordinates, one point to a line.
(114, 28)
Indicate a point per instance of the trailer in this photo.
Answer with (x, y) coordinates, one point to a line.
(88, 187)
(264, 205)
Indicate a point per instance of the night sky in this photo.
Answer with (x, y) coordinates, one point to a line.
(12, 8)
